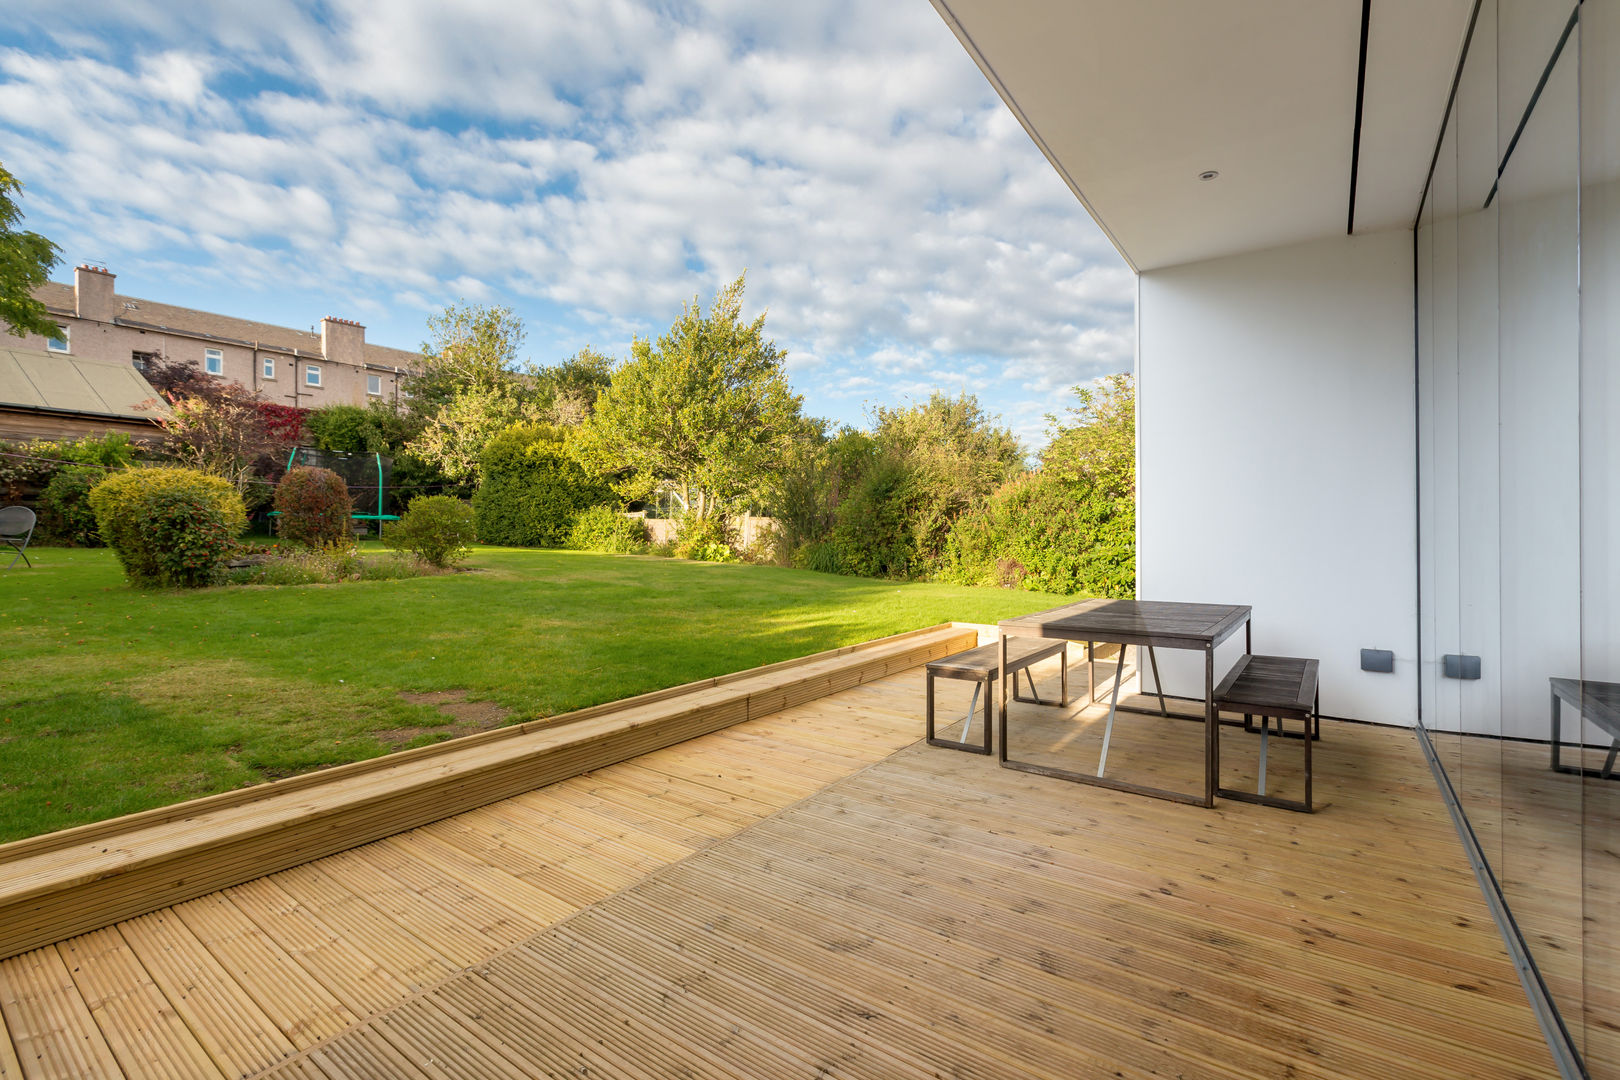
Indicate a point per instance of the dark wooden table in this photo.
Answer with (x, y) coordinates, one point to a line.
(1146, 624)
(1598, 702)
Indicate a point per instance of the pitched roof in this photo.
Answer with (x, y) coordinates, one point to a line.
(152, 315)
(75, 384)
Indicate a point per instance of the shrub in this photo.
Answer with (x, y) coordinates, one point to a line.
(606, 528)
(705, 539)
(1048, 535)
(873, 537)
(315, 506)
(435, 528)
(357, 429)
(189, 535)
(532, 490)
(64, 508)
(178, 540)
(818, 555)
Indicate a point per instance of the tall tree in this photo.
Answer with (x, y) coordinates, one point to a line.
(568, 391)
(467, 391)
(469, 347)
(706, 408)
(26, 259)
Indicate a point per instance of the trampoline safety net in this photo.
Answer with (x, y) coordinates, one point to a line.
(367, 477)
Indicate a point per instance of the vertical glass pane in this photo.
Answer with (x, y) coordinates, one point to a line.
(1538, 250)
(1599, 45)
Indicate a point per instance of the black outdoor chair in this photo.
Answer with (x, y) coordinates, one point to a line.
(16, 529)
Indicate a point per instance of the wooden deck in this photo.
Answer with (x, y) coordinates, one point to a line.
(818, 894)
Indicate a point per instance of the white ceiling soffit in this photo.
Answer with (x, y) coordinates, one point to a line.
(1132, 99)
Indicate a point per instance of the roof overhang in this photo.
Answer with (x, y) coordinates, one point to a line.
(1132, 100)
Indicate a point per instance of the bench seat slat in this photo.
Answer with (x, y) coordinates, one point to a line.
(1265, 683)
(984, 661)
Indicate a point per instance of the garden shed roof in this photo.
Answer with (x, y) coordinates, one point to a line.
(30, 379)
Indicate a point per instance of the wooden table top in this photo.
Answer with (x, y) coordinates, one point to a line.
(1597, 701)
(1134, 622)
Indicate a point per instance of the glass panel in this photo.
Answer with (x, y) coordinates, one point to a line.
(1599, 44)
(1538, 245)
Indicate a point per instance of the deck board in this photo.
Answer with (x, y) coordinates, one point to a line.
(818, 894)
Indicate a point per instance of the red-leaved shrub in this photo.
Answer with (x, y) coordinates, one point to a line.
(315, 506)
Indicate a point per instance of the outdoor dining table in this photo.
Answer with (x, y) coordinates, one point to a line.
(1149, 624)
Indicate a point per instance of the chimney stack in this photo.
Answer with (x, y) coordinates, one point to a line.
(342, 341)
(93, 293)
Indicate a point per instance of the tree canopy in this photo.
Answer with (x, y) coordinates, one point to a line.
(706, 407)
(469, 347)
(26, 259)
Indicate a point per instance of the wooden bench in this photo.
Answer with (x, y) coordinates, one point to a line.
(1598, 702)
(980, 666)
(1277, 688)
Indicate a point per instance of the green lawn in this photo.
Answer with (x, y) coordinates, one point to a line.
(114, 699)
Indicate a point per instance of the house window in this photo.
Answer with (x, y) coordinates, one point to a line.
(143, 360)
(267, 367)
(374, 385)
(58, 344)
(214, 362)
(312, 375)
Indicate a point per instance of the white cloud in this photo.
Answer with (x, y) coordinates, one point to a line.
(593, 163)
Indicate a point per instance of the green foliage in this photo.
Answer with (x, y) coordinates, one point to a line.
(1097, 446)
(1070, 527)
(28, 465)
(26, 259)
(707, 407)
(1047, 535)
(65, 516)
(376, 427)
(453, 439)
(873, 536)
(705, 539)
(955, 456)
(467, 391)
(434, 528)
(532, 489)
(315, 506)
(330, 565)
(608, 529)
(818, 555)
(112, 451)
(567, 392)
(168, 526)
(189, 536)
(469, 347)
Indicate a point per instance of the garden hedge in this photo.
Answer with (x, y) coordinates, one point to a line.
(532, 489)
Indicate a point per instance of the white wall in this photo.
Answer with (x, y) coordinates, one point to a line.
(1276, 458)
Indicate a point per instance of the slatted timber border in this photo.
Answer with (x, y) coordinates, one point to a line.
(85, 878)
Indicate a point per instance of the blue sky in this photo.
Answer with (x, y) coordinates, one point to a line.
(590, 164)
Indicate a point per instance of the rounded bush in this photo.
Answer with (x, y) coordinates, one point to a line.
(607, 528)
(145, 530)
(190, 536)
(532, 489)
(314, 506)
(434, 528)
(65, 515)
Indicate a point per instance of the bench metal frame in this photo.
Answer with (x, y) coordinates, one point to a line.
(1310, 733)
(982, 681)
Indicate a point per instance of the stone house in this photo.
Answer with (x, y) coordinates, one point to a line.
(284, 366)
